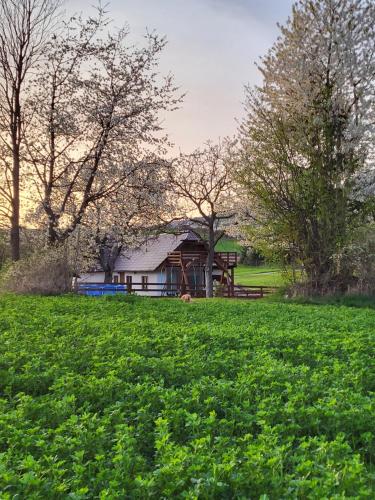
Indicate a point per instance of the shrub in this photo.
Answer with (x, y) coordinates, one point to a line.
(48, 272)
(361, 256)
(251, 256)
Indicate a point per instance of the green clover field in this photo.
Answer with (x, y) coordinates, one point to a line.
(116, 398)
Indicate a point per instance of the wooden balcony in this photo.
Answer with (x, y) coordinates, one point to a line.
(229, 258)
(177, 258)
(223, 259)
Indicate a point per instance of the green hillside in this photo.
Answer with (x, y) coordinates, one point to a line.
(228, 245)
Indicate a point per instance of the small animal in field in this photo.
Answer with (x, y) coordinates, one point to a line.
(186, 297)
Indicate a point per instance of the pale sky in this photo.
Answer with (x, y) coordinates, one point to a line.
(212, 49)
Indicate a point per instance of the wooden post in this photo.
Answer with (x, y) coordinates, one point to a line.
(184, 281)
(129, 287)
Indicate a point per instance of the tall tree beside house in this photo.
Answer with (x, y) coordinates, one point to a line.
(96, 109)
(124, 219)
(308, 134)
(203, 187)
(24, 28)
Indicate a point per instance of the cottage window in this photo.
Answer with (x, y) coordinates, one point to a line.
(144, 282)
(115, 279)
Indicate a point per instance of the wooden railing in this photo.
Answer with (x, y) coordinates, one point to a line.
(175, 258)
(253, 291)
(229, 259)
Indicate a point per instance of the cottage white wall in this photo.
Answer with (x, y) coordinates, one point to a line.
(91, 278)
(153, 277)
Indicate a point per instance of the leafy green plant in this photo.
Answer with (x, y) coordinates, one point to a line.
(106, 398)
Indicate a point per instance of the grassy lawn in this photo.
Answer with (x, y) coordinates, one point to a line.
(263, 275)
(154, 398)
(251, 275)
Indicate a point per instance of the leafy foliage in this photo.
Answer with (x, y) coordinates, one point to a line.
(307, 138)
(159, 399)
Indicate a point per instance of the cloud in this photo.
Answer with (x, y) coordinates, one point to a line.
(266, 11)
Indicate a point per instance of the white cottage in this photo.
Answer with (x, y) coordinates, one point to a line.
(168, 264)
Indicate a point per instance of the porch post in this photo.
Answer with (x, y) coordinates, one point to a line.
(184, 281)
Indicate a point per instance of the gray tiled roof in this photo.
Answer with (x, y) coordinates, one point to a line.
(150, 255)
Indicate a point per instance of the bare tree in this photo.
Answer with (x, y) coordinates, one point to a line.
(203, 187)
(96, 113)
(24, 28)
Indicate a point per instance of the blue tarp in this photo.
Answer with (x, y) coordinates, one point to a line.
(95, 289)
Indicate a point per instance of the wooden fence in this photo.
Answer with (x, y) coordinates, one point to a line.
(173, 290)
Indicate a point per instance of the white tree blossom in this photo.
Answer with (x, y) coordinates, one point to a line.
(309, 130)
(96, 108)
(124, 219)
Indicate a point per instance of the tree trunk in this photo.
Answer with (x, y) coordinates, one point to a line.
(108, 276)
(52, 235)
(15, 217)
(24, 29)
(210, 263)
(108, 254)
(15, 230)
